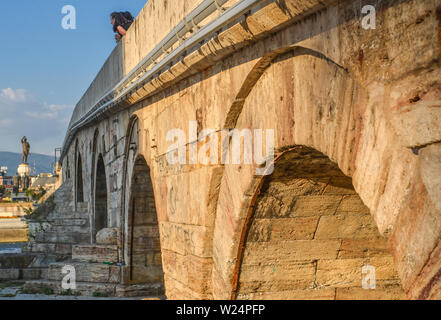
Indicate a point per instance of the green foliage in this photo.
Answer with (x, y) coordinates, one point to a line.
(47, 291)
(69, 292)
(44, 209)
(100, 294)
(28, 211)
(40, 229)
(35, 195)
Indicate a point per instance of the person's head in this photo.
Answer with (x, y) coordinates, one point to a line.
(113, 17)
(118, 18)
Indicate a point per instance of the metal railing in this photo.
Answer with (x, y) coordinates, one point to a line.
(141, 74)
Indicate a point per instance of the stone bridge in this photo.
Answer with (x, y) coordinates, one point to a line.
(352, 189)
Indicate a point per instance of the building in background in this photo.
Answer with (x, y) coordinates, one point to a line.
(45, 181)
(3, 171)
(6, 183)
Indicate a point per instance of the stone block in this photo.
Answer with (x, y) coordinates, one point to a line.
(107, 236)
(153, 258)
(9, 274)
(185, 239)
(306, 294)
(143, 290)
(346, 227)
(300, 228)
(276, 277)
(390, 292)
(348, 272)
(363, 248)
(31, 274)
(339, 185)
(352, 204)
(147, 274)
(257, 253)
(316, 205)
(95, 253)
(84, 272)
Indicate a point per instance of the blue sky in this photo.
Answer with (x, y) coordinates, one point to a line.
(45, 69)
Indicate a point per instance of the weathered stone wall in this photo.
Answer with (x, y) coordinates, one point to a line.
(364, 98)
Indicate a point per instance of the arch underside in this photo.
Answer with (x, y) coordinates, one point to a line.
(144, 250)
(79, 180)
(310, 236)
(100, 212)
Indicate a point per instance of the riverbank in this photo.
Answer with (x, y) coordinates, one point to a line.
(15, 210)
(13, 230)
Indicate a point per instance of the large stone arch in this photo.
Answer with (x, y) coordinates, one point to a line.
(141, 249)
(131, 152)
(310, 101)
(308, 235)
(143, 240)
(98, 184)
(94, 150)
(100, 214)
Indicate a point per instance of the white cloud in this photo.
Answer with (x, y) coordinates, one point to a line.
(6, 122)
(49, 111)
(59, 107)
(18, 95)
(23, 114)
(42, 115)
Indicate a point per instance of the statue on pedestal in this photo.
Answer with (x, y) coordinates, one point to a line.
(26, 149)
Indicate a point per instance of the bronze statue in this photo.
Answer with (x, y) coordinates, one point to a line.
(26, 149)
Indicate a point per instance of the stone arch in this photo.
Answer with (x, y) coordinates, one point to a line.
(131, 150)
(308, 235)
(95, 151)
(79, 187)
(143, 249)
(318, 105)
(67, 177)
(94, 159)
(100, 220)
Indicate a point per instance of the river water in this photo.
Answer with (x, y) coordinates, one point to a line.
(10, 248)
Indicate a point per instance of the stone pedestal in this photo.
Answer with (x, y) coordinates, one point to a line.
(24, 169)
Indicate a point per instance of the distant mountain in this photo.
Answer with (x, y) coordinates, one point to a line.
(43, 163)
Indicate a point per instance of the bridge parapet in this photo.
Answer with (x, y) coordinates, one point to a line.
(160, 28)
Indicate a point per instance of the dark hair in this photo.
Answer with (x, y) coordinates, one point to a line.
(128, 16)
(121, 19)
